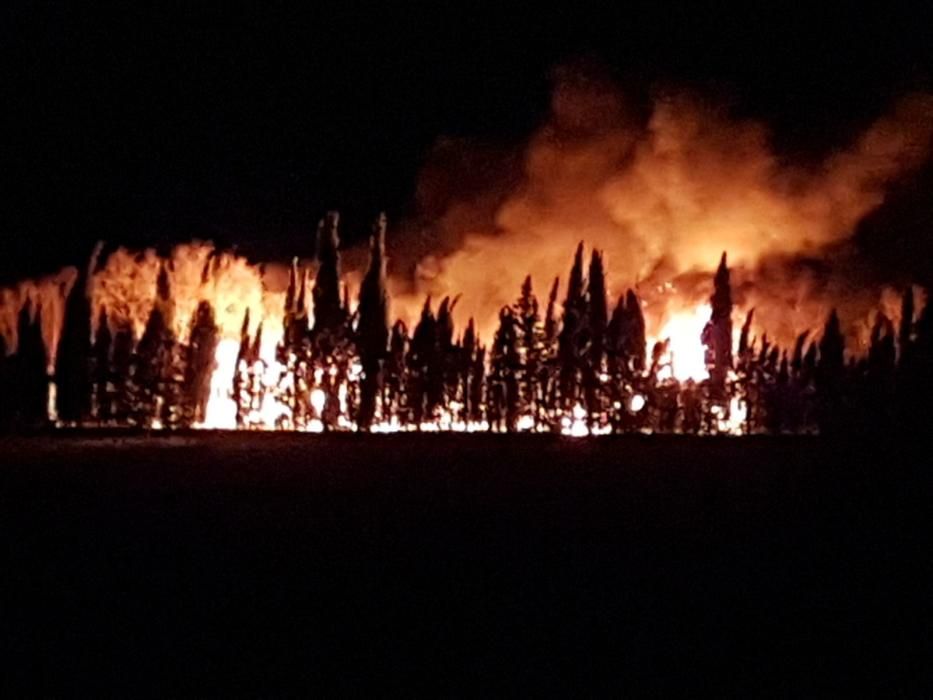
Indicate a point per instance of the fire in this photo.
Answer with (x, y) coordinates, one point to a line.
(221, 407)
(576, 371)
(662, 197)
(202, 337)
(686, 354)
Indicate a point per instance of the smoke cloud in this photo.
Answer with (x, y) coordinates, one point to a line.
(663, 196)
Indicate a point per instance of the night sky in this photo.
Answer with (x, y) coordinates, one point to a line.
(151, 127)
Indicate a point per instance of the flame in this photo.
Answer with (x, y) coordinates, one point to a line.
(686, 354)
(661, 197)
(221, 407)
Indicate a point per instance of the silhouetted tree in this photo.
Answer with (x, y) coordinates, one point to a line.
(421, 357)
(373, 327)
(717, 335)
(200, 363)
(878, 376)
(505, 365)
(571, 340)
(443, 377)
(27, 378)
(829, 375)
(152, 361)
(532, 348)
(550, 369)
(329, 312)
(634, 343)
(121, 360)
(100, 368)
(596, 327)
(73, 363)
(396, 373)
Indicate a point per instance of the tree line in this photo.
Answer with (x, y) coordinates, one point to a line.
(574, 358)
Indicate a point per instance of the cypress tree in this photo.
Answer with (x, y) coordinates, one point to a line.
(572, 328)
(467, 358)
(373, 327)
(717, 335)
(505, 366)
(329, 312)
(829, 374)
(420, 359)
(531, 349)
(101, 406)
(596, 332)
(73, 364)
(200, 363)
(29, 377)
(396, 372)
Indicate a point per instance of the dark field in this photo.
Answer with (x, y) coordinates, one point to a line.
(228, 562)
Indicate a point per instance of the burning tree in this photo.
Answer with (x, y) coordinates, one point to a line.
(373, 327)
(170, 354)
(717, 335)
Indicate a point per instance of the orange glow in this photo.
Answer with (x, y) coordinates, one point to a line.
(686, 354)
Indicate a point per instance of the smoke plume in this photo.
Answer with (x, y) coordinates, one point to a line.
(662, 197)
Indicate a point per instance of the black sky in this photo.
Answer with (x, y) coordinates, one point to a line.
(153, 126)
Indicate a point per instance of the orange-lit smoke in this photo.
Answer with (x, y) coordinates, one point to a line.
(663, 197)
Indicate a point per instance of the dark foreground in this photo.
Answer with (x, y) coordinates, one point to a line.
(250, 563)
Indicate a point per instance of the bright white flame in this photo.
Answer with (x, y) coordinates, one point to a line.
(636, 403)
(686, 354)
(221, 407)
(318, 399)
(576, 426)
(738, 412)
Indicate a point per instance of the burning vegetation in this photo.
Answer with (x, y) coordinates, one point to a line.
(790, 334)
(204, 339)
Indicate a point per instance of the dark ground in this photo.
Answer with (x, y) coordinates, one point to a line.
(216, 562)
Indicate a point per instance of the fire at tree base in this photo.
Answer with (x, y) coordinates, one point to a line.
(195, 355)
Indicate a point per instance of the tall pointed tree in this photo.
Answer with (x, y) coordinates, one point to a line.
(468, 346)
(572, 332)
(101, 406)
(329, 312)
(596, 319)
(152, 359)
(531, 344)
(419, 361)
(395, 373)
(373, 327)
(201, 363)
(597, 316)
(74, 357)
(505, 366)
(830, 369)
(717, 335)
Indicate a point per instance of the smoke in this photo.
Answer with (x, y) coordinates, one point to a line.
(663, 195)
(660, 191)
